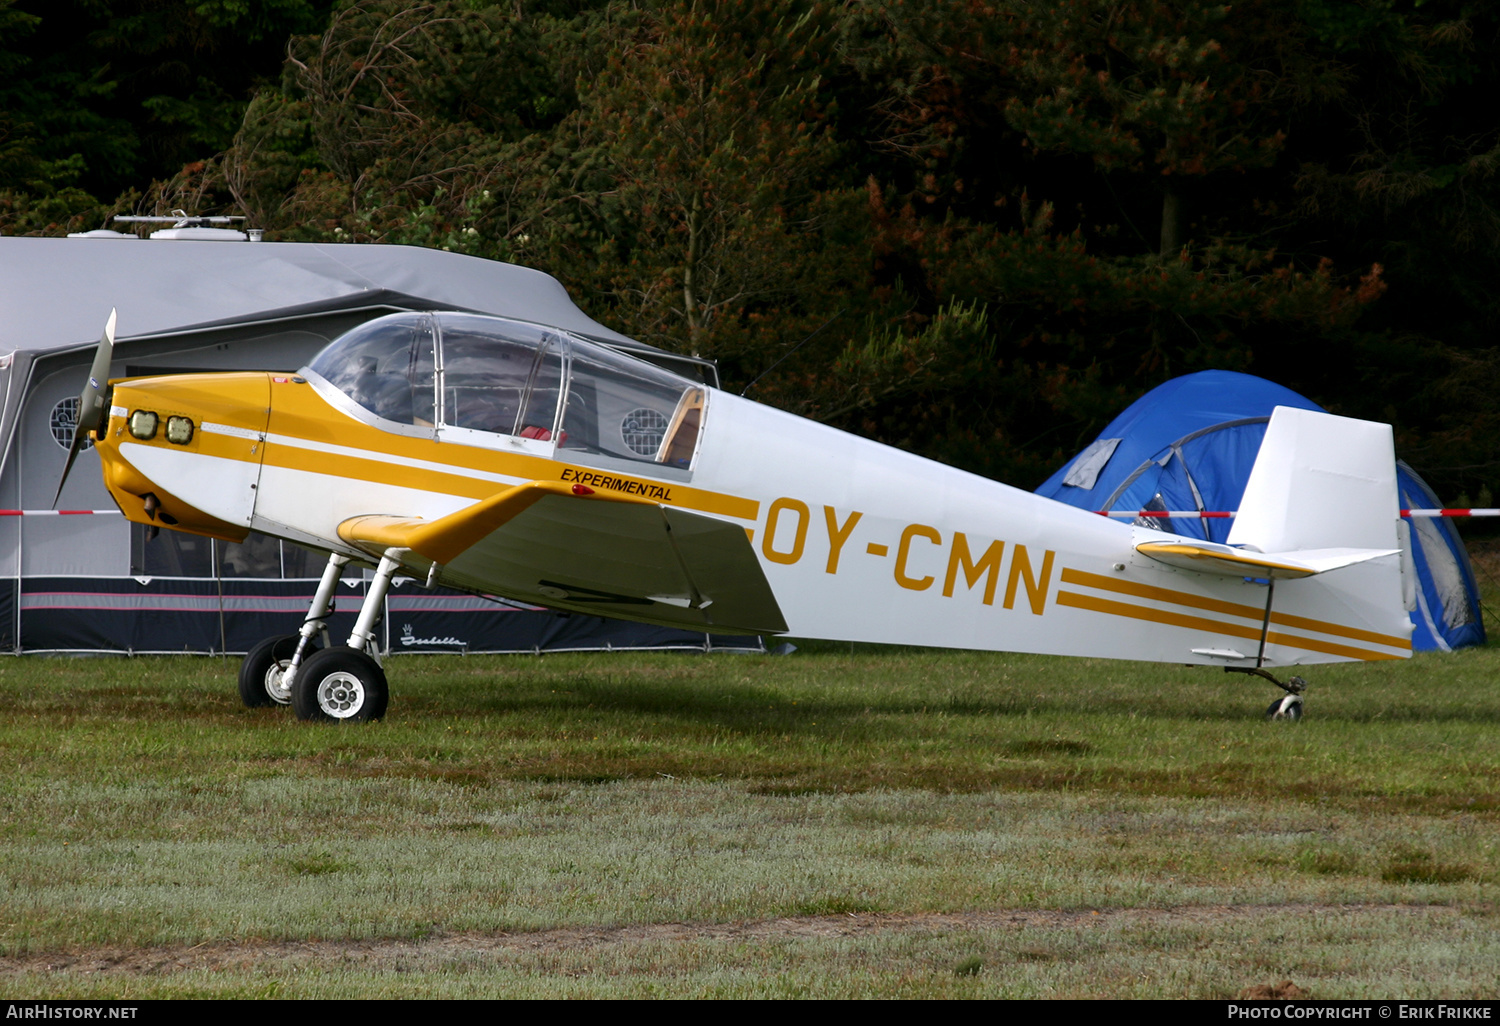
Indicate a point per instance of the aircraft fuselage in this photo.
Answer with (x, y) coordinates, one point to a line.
(854, 540)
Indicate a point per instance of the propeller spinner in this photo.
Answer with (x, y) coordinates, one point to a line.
(92, 409)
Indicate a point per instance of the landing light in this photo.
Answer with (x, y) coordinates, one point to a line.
(143, 425)
(179, 430)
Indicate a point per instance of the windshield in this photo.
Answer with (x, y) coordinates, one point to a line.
(386, 366)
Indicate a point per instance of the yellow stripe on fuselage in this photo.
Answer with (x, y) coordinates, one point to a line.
(1184, 598)
(1147, 613)
(305, 433)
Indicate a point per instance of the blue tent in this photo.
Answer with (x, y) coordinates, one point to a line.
(1447, 614)
(1189, 445)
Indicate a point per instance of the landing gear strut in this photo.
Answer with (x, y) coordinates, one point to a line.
(267, 673)
(346, 684)
(338, 684)
(1290, 707)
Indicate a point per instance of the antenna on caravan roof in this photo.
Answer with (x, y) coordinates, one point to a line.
(193, 226)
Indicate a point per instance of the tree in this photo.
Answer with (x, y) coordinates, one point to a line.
(712, 120)
(1404, 168)
(1048, 152)
(1172, 90)
(404, 122)
(975, 229)
(108, 94)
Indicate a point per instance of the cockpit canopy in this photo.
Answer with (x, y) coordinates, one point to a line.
(455, 373)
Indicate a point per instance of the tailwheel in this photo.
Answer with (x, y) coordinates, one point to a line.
(340, 685)
(1288, 708)
(263, 672)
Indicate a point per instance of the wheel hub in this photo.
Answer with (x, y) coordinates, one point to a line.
(341, 695)
(276, 682)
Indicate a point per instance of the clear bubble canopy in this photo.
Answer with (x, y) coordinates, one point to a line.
(456, 373)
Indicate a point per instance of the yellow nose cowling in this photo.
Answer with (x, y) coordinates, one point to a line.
(183, 451)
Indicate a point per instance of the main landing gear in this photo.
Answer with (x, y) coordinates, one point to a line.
(263, 673)
(341, 683)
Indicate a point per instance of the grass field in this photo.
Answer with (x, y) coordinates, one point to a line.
(877, 822)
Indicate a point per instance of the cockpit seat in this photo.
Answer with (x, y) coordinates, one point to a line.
(542, 434)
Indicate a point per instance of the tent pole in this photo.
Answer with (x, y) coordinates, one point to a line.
(219, 580)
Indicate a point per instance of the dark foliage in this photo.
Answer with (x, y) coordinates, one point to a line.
(999, 221)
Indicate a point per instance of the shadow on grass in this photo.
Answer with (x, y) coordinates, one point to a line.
(829, 687)
(782, 705)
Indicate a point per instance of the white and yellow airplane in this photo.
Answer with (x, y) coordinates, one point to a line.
(511, 458)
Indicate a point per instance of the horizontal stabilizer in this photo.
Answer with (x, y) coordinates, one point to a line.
(1224, 560)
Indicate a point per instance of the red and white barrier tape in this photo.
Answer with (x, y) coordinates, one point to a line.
(1159, 514)
(1162, 514)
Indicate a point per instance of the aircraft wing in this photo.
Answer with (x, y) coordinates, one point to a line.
(589, 550)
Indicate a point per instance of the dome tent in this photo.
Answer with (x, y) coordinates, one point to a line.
(1447, 614)
(1189, 444)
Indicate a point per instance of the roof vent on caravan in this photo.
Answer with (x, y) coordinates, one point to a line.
(101, 233)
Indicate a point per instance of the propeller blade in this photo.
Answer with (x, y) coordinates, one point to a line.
(92, 413)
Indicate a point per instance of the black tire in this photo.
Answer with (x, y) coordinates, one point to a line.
(258, 686)
(1289, 708)
(340, 685)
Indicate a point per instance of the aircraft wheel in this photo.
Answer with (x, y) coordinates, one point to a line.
(1288, 708)
(340, 685)
(262, 669)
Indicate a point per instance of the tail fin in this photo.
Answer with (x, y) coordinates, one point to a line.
(1321, 496)
(1320, 482)
(1319, 513)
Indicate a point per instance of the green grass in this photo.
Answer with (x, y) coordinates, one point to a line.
(143, 810)
(1334, 953)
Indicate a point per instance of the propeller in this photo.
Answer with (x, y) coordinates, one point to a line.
(92, 411)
